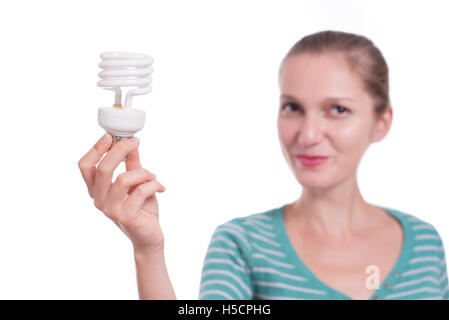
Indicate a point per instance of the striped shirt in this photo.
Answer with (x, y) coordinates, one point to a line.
(251, 257)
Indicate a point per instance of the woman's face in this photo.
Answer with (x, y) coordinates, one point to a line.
(325, 111)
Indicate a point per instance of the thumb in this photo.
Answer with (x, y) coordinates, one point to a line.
(133, 161)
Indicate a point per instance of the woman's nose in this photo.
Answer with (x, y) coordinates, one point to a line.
(310, 130)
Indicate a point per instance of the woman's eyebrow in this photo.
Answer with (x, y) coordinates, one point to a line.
(326, 99)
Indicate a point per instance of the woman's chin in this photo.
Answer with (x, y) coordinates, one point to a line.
(314, 186)
(313, 181)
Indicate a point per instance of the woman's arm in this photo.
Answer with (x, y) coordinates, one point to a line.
(226, 273)
(131, 203)
(153, 281)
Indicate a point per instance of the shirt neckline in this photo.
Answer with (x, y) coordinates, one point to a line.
(390, 279)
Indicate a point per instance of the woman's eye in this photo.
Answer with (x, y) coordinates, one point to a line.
(294, 106)
(340, 109)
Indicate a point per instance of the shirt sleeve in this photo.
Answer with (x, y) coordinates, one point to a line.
(226, 273)
(443, 280)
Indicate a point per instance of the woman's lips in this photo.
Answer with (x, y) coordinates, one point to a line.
(311, 161)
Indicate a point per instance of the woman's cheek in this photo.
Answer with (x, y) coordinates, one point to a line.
(352, 141)
(287, 132)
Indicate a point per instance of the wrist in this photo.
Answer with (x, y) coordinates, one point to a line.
(148, 253)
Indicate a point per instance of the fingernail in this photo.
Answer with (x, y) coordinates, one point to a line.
(105, 138)
(134, 140)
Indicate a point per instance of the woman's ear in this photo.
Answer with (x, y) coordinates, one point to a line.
(382, 125)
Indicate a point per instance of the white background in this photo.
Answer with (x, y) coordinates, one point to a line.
(210, 132)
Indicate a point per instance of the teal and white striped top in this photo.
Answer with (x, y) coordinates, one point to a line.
(252, 258)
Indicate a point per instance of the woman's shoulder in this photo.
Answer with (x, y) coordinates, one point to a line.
(412, 218)
(261, 218)
(419, 226)
(245, 228)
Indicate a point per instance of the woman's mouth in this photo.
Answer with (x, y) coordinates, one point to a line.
(311, 161)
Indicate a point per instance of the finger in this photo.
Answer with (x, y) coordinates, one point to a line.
(135, 201)
(133, 161)
(119, 189)
(88, 162)
(110, 162)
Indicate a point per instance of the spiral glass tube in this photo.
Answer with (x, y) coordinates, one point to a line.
(124, 69)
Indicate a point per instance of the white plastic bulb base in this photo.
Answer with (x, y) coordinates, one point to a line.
(121, 123)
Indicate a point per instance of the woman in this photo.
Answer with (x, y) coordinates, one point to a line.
(329, 243)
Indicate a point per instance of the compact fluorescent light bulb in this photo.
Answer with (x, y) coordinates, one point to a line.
(124, 69)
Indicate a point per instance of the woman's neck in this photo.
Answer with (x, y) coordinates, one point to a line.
(338, 213)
